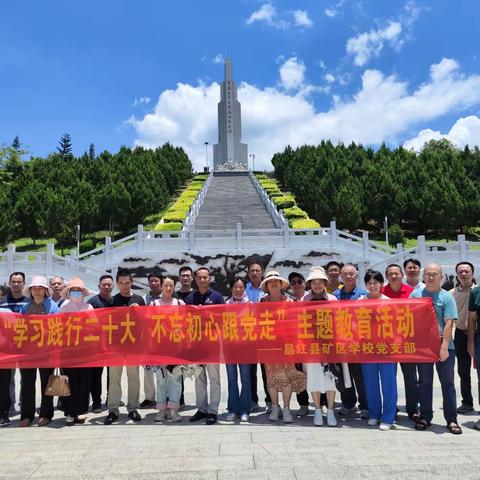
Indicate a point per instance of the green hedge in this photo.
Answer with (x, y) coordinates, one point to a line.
(284, 201)
(170, 227)
(174, 216)
(304, 223)
(294, 212)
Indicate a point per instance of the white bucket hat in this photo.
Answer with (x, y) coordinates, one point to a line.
(37, 281)
(316, 273)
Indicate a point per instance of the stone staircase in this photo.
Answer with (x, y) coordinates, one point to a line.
(231, 198)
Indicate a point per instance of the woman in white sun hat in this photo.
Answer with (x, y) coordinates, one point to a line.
(40, 302)
(283, 377)
(320, 378)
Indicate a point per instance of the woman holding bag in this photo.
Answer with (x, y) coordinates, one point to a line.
(76, 404)
(40, 302)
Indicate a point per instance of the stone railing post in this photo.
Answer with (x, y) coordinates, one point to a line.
(422, 249)
(462, 248)
(108, 251)
(49, 259)
(366, 246)
(140, 238)
(333, 233)
(11, 258)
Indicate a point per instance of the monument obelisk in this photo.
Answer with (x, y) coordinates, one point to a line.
(229, 153)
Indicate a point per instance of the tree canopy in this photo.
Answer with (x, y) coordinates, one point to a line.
(434, 190)
(48, 197)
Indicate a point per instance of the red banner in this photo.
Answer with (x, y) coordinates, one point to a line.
(344, 331)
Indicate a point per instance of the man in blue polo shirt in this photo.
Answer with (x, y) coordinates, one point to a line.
(205, 295)
(351, 291)
(446, 311)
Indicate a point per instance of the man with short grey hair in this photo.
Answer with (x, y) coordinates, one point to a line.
(446, 313)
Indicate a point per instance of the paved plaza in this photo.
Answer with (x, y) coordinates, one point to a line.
(259, 450)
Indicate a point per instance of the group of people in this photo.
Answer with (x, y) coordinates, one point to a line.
(368, 390)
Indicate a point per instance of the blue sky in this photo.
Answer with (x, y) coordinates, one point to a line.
(125, 73)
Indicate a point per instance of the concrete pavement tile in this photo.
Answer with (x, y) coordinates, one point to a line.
(145, 465)
(272, 473)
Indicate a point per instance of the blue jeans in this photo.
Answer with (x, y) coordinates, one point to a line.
(239, 403)
(385, 374)
(169, 386)
(445, 371)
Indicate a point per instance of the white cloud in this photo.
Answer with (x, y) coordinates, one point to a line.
(465, 131)
(302, 19)
(218, 58)
(368, 45)
(292, 74)
(334, 10)
(141, 101)
(329, 78)
(267, 14)
(383, 109)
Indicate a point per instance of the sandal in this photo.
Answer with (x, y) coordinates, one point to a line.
(454, 428)
(422, 424)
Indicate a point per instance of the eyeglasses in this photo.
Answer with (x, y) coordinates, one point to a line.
(431, 274)
(299, 281)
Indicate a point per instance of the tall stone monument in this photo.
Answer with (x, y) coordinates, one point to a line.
(229, 154)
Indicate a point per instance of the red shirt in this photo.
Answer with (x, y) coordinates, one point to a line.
(404, 292)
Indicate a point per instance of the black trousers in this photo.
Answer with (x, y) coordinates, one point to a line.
(410, 379)
(253, 383)
(349, 395)
(464, 365)
(96, 386)
(27, 393)
(77, 402)
(5, 401)
(302, 397)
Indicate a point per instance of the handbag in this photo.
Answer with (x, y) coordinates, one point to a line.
(58, 385)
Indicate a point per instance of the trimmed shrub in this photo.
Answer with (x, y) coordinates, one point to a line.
(174, 216)
(88, 244)
(294, 212)
(395, 234)
(170, 227)
(284, 201)
(304, 223)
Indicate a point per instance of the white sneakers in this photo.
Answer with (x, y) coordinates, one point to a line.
(287, 415)
(331, 418)
(318, 417)
(276, 413)
(244, 417)
(385, 426)
(231, 417)
(160, 416)
(373, 422)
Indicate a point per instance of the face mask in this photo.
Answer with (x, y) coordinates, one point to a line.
(75, 294)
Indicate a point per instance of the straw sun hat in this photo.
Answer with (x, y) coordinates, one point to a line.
(274, 275)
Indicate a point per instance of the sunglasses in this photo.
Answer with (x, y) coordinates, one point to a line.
(299, 281)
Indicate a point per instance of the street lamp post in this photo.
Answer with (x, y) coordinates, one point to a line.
(253, 161)
(206, 156)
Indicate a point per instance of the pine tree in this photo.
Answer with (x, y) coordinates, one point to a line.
(65, 146)
(91, 152)
(16, 145)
